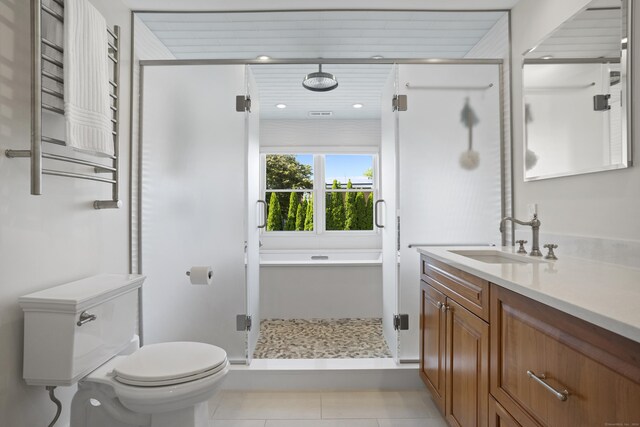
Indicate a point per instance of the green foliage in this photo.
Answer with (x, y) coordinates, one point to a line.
(274, 219)
(284, 172)
(328, 217)
(361, 211)
(351, 214)
(368, 173)
(337, 208)
(291, 214)
(308, 221)
(301, 214)
(369, 216)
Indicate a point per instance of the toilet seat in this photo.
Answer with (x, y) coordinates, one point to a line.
(171, 363)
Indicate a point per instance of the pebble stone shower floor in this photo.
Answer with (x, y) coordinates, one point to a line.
(321, 339)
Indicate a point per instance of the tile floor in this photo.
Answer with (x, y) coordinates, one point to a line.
(321, 339)
(324, 409)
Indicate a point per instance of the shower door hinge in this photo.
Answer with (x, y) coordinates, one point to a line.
(401, 322)
(399, 103)
(601, 102)
(243, 103)
(243, 322)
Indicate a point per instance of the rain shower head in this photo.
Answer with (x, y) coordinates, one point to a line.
(320, 81)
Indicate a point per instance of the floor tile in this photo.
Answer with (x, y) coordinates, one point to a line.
(268, 405)
(321, 423)
(377, 404)
(237, 423)
(418, 422)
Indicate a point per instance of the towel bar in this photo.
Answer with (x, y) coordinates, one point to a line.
(37, 73)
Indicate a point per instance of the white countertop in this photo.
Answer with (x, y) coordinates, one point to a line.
(606, 295)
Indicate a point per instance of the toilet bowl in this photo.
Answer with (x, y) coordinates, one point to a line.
(84, 333)
(159, 384)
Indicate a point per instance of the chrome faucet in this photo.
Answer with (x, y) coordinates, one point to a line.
(535, 227)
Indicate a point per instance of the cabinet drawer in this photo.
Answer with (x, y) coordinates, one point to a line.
(466, 289)
(597, 371)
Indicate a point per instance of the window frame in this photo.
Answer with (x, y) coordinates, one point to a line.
(319, 191)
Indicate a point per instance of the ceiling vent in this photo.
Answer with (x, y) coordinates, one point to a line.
(320, 113)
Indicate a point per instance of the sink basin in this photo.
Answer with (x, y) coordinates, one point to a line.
(493, 256)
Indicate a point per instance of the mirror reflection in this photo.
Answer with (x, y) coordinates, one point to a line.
(575, 95)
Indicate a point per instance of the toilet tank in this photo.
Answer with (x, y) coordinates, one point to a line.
(72, 329)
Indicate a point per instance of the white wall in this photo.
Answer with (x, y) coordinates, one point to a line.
(146, 46)
(319, 133)
(54, 238)
(600, 205)
(320, 292)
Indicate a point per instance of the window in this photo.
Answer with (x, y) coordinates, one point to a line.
(338, 197)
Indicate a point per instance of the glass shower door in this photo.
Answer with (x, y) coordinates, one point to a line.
(450, 175)
(385, 214)
(193, 203)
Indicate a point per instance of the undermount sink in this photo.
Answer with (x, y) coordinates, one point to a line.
(497, 257)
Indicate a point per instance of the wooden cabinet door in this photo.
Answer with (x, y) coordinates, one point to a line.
(499, 417)
(467, 368)
(595, 374)
(432, 342)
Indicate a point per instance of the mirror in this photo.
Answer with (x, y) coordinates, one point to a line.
(577, 95)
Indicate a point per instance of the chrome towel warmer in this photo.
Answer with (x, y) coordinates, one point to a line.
(55, 9)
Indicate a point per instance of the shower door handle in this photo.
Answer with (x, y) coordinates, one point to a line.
(264, 214)
(375, 213)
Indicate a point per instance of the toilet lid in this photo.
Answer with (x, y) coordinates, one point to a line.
(170, 363)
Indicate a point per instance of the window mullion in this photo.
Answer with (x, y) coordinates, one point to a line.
(319, 193)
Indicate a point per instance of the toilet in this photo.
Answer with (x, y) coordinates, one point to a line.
(84, 333)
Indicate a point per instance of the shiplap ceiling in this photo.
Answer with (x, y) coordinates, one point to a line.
(593, 33)
(313, 34)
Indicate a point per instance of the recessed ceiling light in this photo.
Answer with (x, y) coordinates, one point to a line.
(547, 57)
(281, 106)
(377, 57)
(358, 105)
(263, 57)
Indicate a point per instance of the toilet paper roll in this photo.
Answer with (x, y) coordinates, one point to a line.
(201, 275)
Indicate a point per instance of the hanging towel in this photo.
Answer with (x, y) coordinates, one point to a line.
(86, 79)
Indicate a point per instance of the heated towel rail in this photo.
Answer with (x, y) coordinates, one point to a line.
(47, 65)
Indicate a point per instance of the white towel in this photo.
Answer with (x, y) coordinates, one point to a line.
(86, 79)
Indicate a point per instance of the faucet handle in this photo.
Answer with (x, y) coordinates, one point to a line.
(521, 249)
(551, 247)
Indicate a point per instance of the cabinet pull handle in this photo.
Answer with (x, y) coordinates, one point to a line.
(439, 304)
(85, 317)
(561, 395)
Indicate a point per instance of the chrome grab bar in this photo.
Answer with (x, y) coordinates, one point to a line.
(264, 214)
(375, 213)
(560, 395)
(85, 318)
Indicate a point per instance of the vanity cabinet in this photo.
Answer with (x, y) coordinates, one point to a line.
(551, 369)
(454, 362)
(541, 367)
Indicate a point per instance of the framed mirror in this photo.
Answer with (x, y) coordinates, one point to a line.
(577, 103)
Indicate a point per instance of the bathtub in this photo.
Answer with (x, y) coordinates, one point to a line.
(360, 257)
(320, 284)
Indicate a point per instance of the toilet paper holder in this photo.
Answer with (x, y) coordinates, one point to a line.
(210, 274)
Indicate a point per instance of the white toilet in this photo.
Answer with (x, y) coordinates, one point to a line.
(84, 332)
